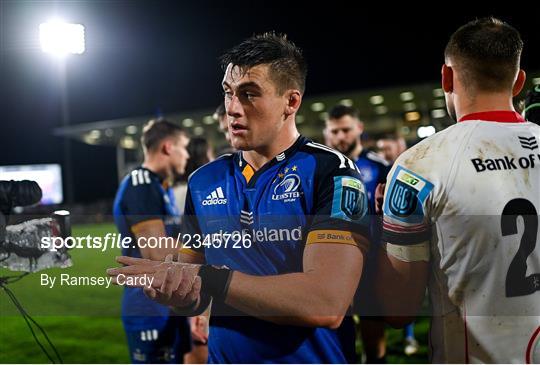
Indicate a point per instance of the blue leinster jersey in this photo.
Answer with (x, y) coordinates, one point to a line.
(259, 223)
(143, 197)
(373, 170)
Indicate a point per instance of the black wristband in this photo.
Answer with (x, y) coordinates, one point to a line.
(196, 308)
(215, 281)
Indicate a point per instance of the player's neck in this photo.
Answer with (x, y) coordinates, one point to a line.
(257, 158)
(156, 167)
(483, 103)
(356, 152)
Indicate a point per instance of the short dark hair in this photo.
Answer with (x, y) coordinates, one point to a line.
(287, 65)
(340, 111)
(487, 53)
(156, 130)
(392, 136)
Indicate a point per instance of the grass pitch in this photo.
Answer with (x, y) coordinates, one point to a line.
(84, 322)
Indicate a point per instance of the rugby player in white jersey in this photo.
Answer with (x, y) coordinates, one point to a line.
(461, 211)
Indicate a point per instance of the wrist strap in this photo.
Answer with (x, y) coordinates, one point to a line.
(215, 281)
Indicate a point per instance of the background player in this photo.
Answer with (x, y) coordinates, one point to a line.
(390, 146)
(220, 115)
(343, 131)
(145, 207)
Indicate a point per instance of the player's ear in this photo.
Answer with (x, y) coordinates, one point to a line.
(293, 100)
(166, 147)
(520, 81)
(360, 126)
(447, 78)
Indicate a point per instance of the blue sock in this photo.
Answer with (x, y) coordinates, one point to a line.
(409, 330)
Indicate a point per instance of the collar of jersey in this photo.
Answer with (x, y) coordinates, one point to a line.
(152, 173)
(362, 154)
(501, 116)
(240, 162)
(141, 167)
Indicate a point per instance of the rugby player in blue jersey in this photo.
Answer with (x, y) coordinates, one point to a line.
(342, 131)
(296, 215)
(145, 207)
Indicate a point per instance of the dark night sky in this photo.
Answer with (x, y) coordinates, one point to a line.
(144, 55)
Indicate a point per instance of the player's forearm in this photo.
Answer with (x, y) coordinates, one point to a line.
(400, 288)
(302, 299)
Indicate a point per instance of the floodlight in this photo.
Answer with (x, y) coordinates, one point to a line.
(62, 38)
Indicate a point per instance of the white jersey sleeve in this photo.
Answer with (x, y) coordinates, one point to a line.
(471, 195)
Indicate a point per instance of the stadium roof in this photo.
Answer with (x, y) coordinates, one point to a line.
(401, 108)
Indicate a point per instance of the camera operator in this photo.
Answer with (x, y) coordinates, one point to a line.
(20, 244)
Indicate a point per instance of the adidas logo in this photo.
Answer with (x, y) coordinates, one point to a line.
(246, 217)
(216, 197)
(528, 143)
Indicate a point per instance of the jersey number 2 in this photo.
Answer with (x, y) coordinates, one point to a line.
(517, 281)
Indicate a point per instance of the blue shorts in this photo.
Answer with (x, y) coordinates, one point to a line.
(166, 345)
(347, 337)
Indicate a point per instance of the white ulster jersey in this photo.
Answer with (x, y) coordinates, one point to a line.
(473, 192)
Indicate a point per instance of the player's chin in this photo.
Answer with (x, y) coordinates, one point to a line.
(342, 148)
(179, 172)
(241, 144)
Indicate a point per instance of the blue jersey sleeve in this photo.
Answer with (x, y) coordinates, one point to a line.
(341, 206)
